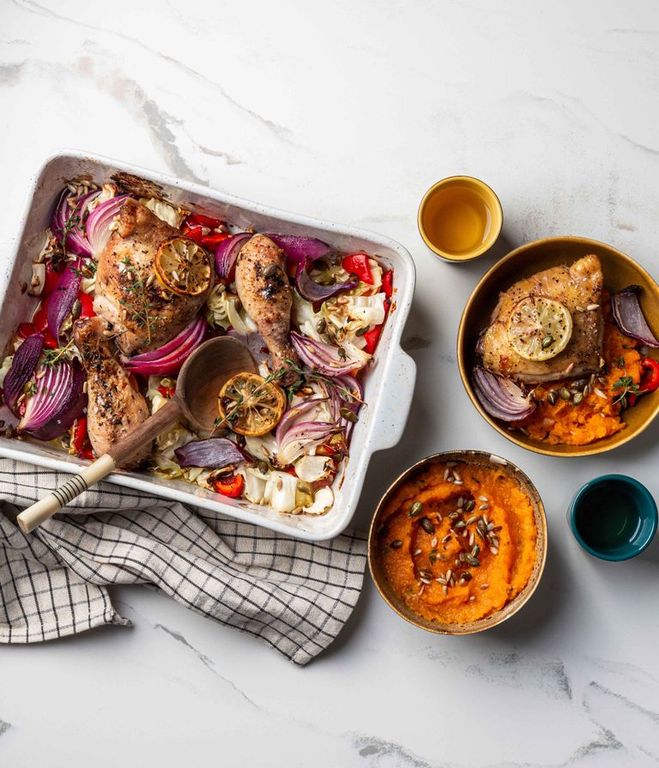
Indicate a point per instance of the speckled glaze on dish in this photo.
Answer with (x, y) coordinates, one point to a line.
(467, 628)
(389, 385)
(619, 271)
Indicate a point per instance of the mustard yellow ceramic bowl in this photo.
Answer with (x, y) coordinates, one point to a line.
(460, 218)
(458, 461)
(619, 270)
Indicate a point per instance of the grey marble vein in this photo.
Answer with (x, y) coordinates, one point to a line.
(4, 726)
(653, 151)
(513, 670)
(206, 661)
(374, 747)
(601, 689)
(281, 131)
(415, 342)
(10, 73)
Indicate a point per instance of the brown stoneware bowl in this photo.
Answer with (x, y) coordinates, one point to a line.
(619, 271)
(398, 605)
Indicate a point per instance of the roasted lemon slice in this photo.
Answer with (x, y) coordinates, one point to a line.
(250, 405)
(183, 267)
(539, 328)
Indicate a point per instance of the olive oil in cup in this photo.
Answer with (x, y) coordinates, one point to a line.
(613, 517)
(460, 218)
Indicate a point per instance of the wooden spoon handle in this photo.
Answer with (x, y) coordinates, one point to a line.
(45, 508)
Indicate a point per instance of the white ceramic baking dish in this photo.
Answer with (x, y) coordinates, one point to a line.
(389, 383)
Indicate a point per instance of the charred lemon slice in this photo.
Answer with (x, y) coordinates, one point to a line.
(183, 267)
(539, 328)
(250, 405)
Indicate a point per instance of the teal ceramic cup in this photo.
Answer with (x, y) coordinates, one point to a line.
(613, 517)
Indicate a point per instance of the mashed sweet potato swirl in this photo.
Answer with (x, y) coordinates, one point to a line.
(458, 551)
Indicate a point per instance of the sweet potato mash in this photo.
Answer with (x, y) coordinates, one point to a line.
(457, 541)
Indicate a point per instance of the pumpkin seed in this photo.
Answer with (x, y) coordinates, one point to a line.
(547, 342)
(473, 561)
(415, 509)
(551, 396)
(577, 398)
(564, 393)
(427, 526)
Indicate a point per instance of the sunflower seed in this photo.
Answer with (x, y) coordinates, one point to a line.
(445, 589)
(591, 307)
(599, 393)
(461, 502)
(475, 550)
(485, 586)
(417, 552)
(473, 561)
(490, 526)
(470, 505)
(459, 524)
(483, 507)
(483, 498)
(472, 539)
(440, 580)
(446, 538)
(433, 542)
(446, 473)
(551, 397)
(494, 550)
(396, 544)
(472, 598)
(448, 575)
(472, 519)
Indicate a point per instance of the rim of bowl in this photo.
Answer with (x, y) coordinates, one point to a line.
(520, 600)
(626, 480)
(484, 248)
(586, 450)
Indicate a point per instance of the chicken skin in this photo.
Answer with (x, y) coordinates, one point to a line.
(141, 312)
(115, 408)
(579, 289)
(266, 295)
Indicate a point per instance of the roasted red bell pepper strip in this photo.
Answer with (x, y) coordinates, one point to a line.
(388, 282)
(650, 375)
(52, 276)
(229, 485)
(357, 264)
(86, 304)
(372, 337)
(167, 392)
(194, 233)
(80, 439)
(214, 239)
(199, 220)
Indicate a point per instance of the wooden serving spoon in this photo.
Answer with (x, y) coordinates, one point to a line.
(195, 401)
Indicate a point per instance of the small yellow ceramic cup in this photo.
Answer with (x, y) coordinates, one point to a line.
(460, 218)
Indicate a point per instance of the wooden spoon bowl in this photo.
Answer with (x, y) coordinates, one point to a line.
(198, 384)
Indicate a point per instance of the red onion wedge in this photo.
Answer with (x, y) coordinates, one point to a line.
(62, 299)
(293, 414)
(99, 221)
(226, 255)
(326, 358)
(315, 292)
(169, 358)
(300, 250)
(67, 223)
(214, 453)
(300, 437)
(629, 316)
(500, 397)
(57, 403)
(23, 365)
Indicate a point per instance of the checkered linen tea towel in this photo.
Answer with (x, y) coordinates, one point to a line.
(294, 595)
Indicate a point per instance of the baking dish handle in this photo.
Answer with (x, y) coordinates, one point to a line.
(396, 400)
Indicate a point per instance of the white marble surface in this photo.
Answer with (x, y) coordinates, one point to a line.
(349, 110)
